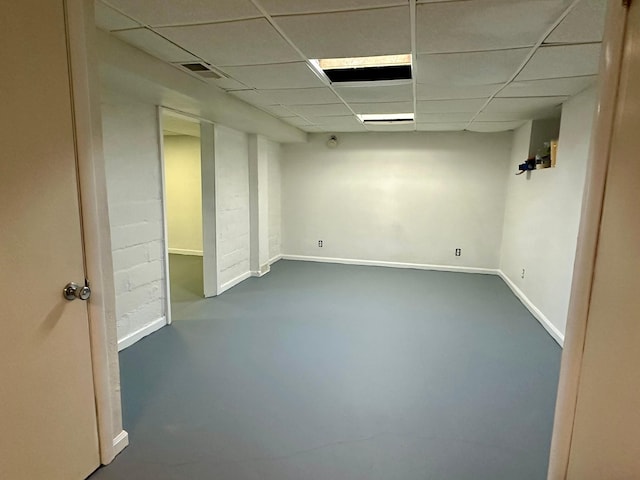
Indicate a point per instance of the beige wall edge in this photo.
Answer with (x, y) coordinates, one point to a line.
(97, 237)
(589, 232)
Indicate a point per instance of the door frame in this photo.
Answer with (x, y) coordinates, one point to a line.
(209, 188)
(588, 236)
(85, 97)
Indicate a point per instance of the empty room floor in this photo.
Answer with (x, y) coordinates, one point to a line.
(336, 372)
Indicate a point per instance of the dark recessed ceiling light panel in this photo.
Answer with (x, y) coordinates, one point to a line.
(366, 69)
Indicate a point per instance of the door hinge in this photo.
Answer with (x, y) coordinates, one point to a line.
(626, 3)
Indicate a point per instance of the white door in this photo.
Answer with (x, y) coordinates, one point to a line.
(48, 424)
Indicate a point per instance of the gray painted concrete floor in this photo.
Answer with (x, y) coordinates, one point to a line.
(334, 372)
(186, 282)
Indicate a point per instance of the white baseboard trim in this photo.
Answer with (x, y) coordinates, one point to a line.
(275, 259)
(375, 263)
(232, 283)
(182, 251)
(139, 334)
(544, 321)
(266, 268)
(120, 442)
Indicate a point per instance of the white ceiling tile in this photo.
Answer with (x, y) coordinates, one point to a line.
(249, 42)
(281, 75)
(350, 34)
(335, 120)
(403, 127)
(469, 69)
(494, 126)
(562, 61)
(300, 96)
(178, 12)
(548, 87)
(253, 97)
(484, 25)
(444, 92)
(523, 104)
(585, 23)
(154, 44)
(327, 109)
(297, 121)
(280, 7)
(451, 106)
(382, 107)
(226, 83)
(441, 127)
(336, 128)
(109, 19)
(390, 93)
(312, 128)
(278, 111)
(444, 117)
(521, 115)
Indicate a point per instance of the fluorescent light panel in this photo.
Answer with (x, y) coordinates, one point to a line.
(360, 70)
(386, 118)
(364, 62)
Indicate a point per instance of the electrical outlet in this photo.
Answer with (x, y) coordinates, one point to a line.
(458, 252)
(523, 272)
(320, 243)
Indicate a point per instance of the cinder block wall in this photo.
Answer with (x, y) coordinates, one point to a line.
(274, 154)
(232, 171)
(132, 162)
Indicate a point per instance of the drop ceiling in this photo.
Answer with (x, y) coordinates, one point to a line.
(479, 65)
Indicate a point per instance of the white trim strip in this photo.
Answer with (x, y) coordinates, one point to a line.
(544, 321)
(275, 259)
(120, 442)
(376, 263)
(232, 283)
(184, 251)
(141, 333)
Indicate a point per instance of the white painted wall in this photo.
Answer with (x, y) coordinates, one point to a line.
(396, 197)
(132, 159)
(543, 213)
(183, 187)
(274, 155)
(259, 204)
(232, 200)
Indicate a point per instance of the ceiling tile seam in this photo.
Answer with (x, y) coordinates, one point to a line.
(293, 62)
(107, 4)
(149, 27)
(566, 77)
(485, 50)
(528, 58)
(174, 64)
(210, 22)
(569, 44)
(346, 10)
(554, 78)
(414, 60)
(277, 27)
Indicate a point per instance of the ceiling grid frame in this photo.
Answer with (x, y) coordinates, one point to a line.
(273, 23)
(534, 49)
(452, 92)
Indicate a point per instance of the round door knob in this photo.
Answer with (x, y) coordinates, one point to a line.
(72, 291)
(84, 293)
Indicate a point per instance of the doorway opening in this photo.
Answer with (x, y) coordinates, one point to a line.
(182, 173)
